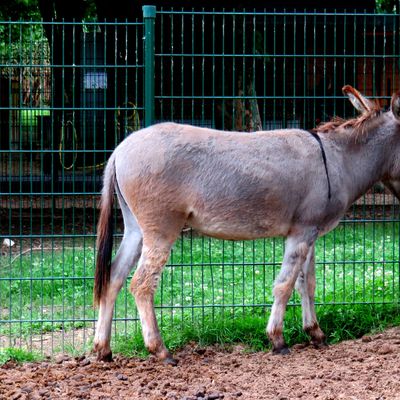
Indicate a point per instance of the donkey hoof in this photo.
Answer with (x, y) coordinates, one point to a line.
(320, 344)
(170, 361)
(105, 356)
(281, 351)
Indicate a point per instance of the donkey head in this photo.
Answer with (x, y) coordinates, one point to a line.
(364, 106)
(393, 183)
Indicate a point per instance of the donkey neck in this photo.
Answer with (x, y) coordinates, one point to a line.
(365, 159)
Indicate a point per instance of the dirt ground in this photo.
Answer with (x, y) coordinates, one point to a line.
(363, 369)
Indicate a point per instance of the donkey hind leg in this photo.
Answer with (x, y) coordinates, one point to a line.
(126, 258)
(296, 251)
(305, 285)
(144, 283)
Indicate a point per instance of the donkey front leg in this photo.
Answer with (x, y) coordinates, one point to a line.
(294, 258)
(143, 286)
(305, 285)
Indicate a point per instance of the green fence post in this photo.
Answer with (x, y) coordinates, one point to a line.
(149, 16)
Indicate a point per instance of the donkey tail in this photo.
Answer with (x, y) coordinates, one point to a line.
(105, 232)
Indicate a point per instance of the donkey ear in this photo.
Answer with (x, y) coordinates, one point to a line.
(395, 105)
(360, 103)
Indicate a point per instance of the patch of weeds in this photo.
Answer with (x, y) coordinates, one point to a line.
(129, 346)
(17, 355)
(338, 322)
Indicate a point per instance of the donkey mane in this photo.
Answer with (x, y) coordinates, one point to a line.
(358, 124)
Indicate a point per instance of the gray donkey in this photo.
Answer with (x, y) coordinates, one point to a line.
(291, 183)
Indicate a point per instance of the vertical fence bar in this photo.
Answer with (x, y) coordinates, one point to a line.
(182, 63)
(149, 16)
(172, 66)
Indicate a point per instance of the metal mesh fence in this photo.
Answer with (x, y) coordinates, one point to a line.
(70, 92)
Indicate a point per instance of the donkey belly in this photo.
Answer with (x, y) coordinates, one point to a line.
(239, 225)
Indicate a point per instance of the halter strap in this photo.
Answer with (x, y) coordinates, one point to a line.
(318, 139)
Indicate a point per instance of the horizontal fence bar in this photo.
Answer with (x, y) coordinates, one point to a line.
(66, 67)
(183, 307)
(249, 97)
(5, 196)
(276, 13)
(198, 265)
(336, 56)
(63, 22)
(33, 109)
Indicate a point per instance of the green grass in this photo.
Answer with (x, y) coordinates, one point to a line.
(211, 291)
(17, 355)
(338, 322)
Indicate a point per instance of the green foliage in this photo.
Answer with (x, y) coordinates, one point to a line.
(22, 45)
(342, 323)
(17, 355)
(19, 10)
(338, 322)
(387, 6)
(128, 346)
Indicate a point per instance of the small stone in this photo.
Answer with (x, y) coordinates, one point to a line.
(366, 339)
(16, 396)
(300, 346)
(43, 392)
(84, 388)
(237, 394)
(200, 392)
(61, 358)
(84, 362)
(386, 349)
(122, 377)
(214, 396)
(200, 350)
(27, 389)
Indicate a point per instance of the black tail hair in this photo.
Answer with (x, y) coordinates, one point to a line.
(105, 231)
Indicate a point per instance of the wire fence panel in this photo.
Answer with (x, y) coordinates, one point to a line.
(70, 92)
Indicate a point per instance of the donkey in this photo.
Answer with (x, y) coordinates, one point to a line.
(291, 183)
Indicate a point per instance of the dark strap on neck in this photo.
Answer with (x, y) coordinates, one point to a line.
(318, 139)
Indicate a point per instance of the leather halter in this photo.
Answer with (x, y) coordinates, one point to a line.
(318, 139)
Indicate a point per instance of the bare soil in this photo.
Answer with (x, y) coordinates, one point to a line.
(363, 369)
